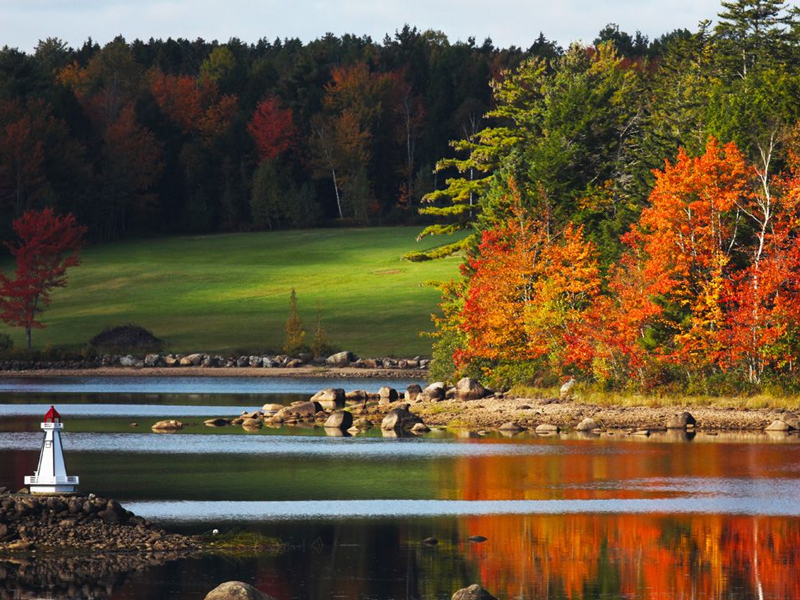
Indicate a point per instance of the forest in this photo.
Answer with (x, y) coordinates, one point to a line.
(633, 221)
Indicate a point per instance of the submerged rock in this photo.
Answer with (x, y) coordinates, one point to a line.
(473, 592)
(236, 590)
(547, 428)
(511, 426)
(168, 425)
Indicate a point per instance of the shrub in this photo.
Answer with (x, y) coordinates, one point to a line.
(126, 338)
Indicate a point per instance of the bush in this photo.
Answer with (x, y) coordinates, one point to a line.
(6, 344)
(126, 338)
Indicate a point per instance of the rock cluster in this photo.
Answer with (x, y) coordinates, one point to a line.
(236, 590)
(79, 522)
(199, 359)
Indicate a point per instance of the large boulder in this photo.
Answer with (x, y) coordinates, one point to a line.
(130, 361)
(195, 359)
(330, 398)
(301, 409)
(399, 418)
(341, 419)
(413, 391)
(469, 389)
(340, 359)
(587, 425)
(436, 390)
(473, 592)
(237, 590)
(153, 360)
(387, 394)
(681, 421)
(778, 425)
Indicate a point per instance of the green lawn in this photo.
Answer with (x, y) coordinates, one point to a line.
(222, 293)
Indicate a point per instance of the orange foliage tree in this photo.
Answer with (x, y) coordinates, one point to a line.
(529, 289)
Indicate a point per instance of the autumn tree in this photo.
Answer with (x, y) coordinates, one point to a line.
(272, 129)
(48, 245)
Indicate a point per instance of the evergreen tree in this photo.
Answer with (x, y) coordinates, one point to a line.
(295, 334)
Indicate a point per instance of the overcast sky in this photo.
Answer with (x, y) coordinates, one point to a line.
(507, 22)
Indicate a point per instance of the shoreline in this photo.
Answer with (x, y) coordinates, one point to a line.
(490, 412)
(288, 372)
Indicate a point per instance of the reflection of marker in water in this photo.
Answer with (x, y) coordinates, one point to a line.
(51, 475)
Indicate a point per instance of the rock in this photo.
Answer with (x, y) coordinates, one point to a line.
(340, 359)
(511, 426)
(681, 421)
(387, 395)
(473, 592)
(184, 361)
(587, 425)
(778, 425)
(435, 391)
(644, 432)
(301, 409)
(252, 423)
(236, 590)
(195, 359)
(129, 361)
(216, 422)
(450, 394)
(272, 408)
(565, 390)
(294, 363)
(329, 398)
(399, 418)
(792, 422)
(547, 428)
(420, 428)
(478, 539)
(168, 425)
(363, 424)
(341, 419)
(357, 396)
(430, 541)
(413, 391)
(256, 362)
(153, 360)
(469, 389)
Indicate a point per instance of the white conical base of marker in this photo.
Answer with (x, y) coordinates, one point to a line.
(51, 475)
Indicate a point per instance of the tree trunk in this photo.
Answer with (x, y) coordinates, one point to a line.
(28, 337)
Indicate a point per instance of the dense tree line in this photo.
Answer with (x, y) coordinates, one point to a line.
(191, 136)
(630, 215)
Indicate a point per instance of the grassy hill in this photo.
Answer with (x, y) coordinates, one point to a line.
(227, 292)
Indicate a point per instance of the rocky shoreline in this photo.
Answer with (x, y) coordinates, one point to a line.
(74, 524)
(469, 407)
(213, 362)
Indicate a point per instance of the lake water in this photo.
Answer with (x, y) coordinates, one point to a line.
(565, 517)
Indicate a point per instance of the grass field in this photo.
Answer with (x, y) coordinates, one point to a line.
(224, 293)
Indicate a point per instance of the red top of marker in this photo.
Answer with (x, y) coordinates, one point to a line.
(52, 416)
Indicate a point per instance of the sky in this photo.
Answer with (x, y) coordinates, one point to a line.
(507, 22)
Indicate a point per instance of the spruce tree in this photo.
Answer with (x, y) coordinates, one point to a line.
(295, 334)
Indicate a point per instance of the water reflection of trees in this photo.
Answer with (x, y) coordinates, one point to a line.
(627, 556)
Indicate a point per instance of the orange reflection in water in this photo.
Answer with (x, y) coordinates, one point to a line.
(646, 556)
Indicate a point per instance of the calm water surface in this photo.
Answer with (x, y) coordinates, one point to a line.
(667, 517)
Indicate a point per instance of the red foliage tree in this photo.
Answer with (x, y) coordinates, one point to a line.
(48, 245)
(272, 128)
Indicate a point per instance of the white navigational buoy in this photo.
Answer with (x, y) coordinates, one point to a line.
(51, 475)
